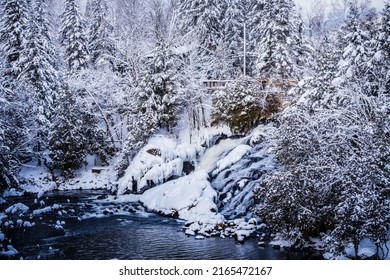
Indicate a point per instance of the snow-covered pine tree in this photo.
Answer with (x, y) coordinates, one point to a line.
(318, 90)
(233, 32)
(38, 59)
(203, 17)
(72, 36)
(276, 51)
(253, 12)
(67, 142)
(101, 44)
(357, 51)
(12, 36)
(8, 161)
(382, 55)
(302, 50)
(39, 72)
(157, 88)
(385, 30)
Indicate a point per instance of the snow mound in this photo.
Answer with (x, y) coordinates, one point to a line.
(190, 198)
(42, 211)
(16, 208)
(157, 162)
(12, 192)
(11, 251)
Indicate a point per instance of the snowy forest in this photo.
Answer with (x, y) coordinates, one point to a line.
(210, 111)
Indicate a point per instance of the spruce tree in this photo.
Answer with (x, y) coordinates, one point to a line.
(12, 36)
(356, 53)
(72, 37)
(101, 44)
(277, 58)
(233, 32)
(39, 72)
(67, 141)
(8, 160)
(204, 18)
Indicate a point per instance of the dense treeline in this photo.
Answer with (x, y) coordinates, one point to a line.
(100, 77)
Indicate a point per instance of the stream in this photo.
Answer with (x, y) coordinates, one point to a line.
(79, 226)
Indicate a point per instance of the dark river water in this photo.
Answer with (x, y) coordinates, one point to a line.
(94, 230)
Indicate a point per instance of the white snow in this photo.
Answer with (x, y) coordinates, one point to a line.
(42, 211)
(12, 192)
(18, 207)
(11, 251)
(213, 154)
(47, 188)
(28, 224)
(167, 161)
(190, 197)
(233, 157)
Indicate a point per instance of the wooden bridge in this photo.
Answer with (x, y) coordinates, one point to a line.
(216, 84)
(266, 83)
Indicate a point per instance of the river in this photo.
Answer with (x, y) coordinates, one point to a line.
(83, 228)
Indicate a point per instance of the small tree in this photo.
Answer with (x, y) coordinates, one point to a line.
(67, 142)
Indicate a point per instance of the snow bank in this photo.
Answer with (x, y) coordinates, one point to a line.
(191, 198)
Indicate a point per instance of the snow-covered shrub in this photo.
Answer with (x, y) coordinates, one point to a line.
(244, 104)
(331, 157)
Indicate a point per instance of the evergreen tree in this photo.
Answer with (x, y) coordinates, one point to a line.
(383, 50)
(277, 50)
(233, 32)
(101, 44)
(73, 38)
(157, 90)
(8, 162)
(318, 91)
(12, 36)
(203, 17)
(356, 53)
(38, 58)
(67, 141)
(39, 72)
(253, 13)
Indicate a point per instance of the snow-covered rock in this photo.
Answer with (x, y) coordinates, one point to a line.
(16, 208)
(10, 251)
(42, 211)
(12, 192)
(190, 198)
